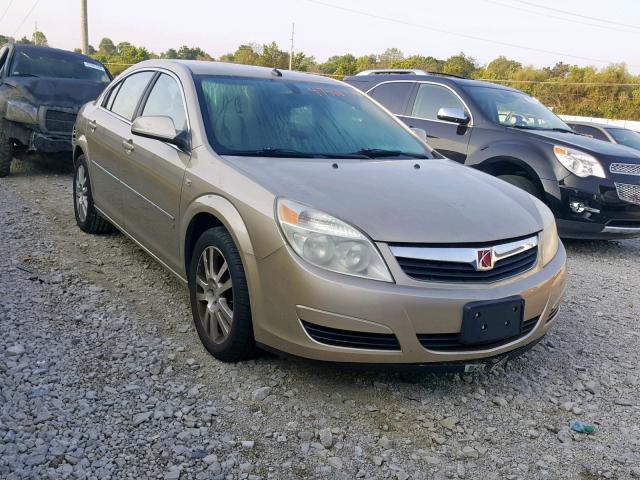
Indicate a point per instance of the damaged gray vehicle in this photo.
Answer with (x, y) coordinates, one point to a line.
(41, 91)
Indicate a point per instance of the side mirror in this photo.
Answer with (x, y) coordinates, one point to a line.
(420, 133)
(453, 114)
(159, 128)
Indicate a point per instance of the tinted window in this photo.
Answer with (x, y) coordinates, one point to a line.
(111, 96)
(591, 132)
(393, 96)
(56, 64)
(431, 98)
(255, 116)
(129, 94)
(626, 137)
(515, 109)
(165, 100)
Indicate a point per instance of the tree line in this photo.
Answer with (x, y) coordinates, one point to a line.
(610, 92)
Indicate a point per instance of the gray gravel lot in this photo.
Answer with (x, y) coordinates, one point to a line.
(102, 376)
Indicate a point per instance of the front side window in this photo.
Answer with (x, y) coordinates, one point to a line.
(431, 98)
(511, 108)
(278, 117)
(165, 100)
(394, 96)
(55, 64)
(626, 137)
(128, 95)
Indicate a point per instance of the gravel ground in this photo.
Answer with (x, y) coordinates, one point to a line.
(102, 376)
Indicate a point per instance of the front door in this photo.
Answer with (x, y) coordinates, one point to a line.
(448, 138)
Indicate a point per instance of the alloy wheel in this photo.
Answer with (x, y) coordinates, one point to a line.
(82, 193)
(214, 294)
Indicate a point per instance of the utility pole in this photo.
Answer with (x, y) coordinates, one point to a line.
(84, 27)
(293, 32)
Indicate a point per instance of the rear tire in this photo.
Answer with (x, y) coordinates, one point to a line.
(87, 217)
(6, 156)
(220, 297)
(523, 183)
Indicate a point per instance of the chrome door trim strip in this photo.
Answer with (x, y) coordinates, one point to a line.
(464, 254)
(151, 254)
(167, 214)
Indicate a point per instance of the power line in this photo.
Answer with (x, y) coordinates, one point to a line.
(35, 4)
(463, 35)
(566, 12)
(6, 10)
(548, 15)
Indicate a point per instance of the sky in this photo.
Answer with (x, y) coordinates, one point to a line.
(439, 28)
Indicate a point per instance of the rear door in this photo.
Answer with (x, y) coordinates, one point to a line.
(448, 138)
(108, 126)
(154, 171)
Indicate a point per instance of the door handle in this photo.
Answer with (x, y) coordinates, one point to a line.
(93, 125)
(128, 145)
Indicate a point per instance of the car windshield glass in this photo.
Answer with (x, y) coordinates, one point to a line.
(284, 118)
(625, 137)
(515, 109)
(54, 64)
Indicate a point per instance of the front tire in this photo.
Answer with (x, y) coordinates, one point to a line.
(522, 183)
(220, 297)
(87, 217)
(6, 156)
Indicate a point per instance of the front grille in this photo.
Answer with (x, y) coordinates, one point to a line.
(628, 193)
(443, 271)
(449, 342)
(59, 122)
(625, 168)
(351, 339)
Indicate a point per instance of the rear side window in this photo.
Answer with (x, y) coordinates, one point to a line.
(431, 98)
(591, 132)
(165, 100)
(128, 95)
(394, 96)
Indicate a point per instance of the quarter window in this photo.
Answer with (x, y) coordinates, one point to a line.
(431, 98)
(394, 96)
(127, 97)
(165, 100)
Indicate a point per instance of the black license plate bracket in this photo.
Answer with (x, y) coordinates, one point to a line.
(489, 322)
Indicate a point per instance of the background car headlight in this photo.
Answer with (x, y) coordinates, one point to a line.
(579, 163)
(21, 112)
(329, 243)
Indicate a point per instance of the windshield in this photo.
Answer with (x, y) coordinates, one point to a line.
(277, 117)
(515, 109)
(55, 64)
(625, 137)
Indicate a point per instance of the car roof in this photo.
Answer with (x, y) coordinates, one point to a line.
(22, 47)
(205, 67)
(431, 77)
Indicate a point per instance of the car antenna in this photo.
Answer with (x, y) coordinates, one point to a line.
(276, 73)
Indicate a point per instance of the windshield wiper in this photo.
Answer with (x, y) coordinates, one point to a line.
(25, 75)
(290, 153)
(381, 153)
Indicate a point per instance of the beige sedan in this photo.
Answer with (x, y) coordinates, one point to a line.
(305, 219)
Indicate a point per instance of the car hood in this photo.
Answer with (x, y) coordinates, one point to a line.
(393, 201)
(60, 92)
(599, 148)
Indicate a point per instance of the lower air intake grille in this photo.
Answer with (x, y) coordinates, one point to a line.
(350, 339)
(59, 121)
(448, 342)
(628, 193)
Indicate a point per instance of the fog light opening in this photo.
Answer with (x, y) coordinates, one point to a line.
(580, 207)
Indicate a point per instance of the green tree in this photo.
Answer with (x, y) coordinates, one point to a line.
(107, 47)
(501, 68)
(461, 65)
(272, 56)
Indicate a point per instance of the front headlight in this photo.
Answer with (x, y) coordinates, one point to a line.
(548, 241)
(21, 112)
(329, 243)
(579, 163)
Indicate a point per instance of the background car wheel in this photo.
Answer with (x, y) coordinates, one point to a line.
(87, 217)
(220, 297)
(6, 156)
(523, 183)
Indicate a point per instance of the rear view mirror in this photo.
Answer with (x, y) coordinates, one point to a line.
(453, 114)
(421, 133)
(159, 128)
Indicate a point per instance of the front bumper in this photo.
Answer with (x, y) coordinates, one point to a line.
(291, 293)
(606, 217)
(50, 143)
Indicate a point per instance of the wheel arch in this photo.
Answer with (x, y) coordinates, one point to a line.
(508, 165)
